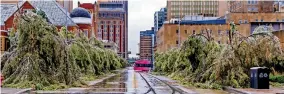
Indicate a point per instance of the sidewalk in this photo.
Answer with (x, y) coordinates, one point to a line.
(79, 89)
(255, 91)
(15, 90)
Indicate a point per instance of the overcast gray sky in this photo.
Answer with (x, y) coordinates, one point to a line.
(140, 18)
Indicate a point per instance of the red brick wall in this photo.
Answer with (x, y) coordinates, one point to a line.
(9, 22)
(85, 26)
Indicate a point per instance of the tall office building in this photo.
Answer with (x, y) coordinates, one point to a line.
(212, 8)
(159, 18)
(251, 6)
(146, 45)
(113, 23)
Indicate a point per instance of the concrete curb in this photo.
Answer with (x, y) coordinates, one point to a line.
(28, 90)
(233, 90)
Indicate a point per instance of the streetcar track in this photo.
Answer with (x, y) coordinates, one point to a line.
(150, 87)
(172, 88)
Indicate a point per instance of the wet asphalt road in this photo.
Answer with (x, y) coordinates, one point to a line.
(131, 82)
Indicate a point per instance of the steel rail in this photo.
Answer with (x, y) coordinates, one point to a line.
(173, 88)
(150, 87)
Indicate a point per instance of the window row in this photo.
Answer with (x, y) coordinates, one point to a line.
(110, 15)
(99, 31)
(203, 31)
(111, 26)
(194, 3)
(193, 8)
(252, 1)
(111, 35)
(111, 22)
(145, 51)
(252, 9)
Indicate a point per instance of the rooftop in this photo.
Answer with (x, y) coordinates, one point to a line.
(54, 12)
(80, 12)
(6, 11)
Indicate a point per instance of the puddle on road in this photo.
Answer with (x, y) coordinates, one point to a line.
(114, 84)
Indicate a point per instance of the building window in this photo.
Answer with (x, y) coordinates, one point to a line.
(261, 20)
(86, 32)
(176, 41)
(185, 31)
(282, 20)
(277, 20)
(177, 31)
(193, 32)
(245, 21)
(219, 41)
(256, 20)
(240, 21)
(249, 9)
(9, 29)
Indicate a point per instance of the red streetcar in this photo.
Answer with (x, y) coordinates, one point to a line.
(142, 65)
(1, 79)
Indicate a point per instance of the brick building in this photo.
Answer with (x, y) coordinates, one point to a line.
(93, 10)
(83, 19)
(177, 9)
(55, 13)
(66, 4)
(280, 35)
(167, 36)
(110, 22)
(113, 23)
(251, 6)
(146, 44)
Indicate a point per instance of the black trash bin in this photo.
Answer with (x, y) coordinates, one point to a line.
(259, 77)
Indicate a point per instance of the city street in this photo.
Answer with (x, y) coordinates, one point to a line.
(134, 82)
(163, 47)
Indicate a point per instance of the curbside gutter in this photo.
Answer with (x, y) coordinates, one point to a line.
(28, 90)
